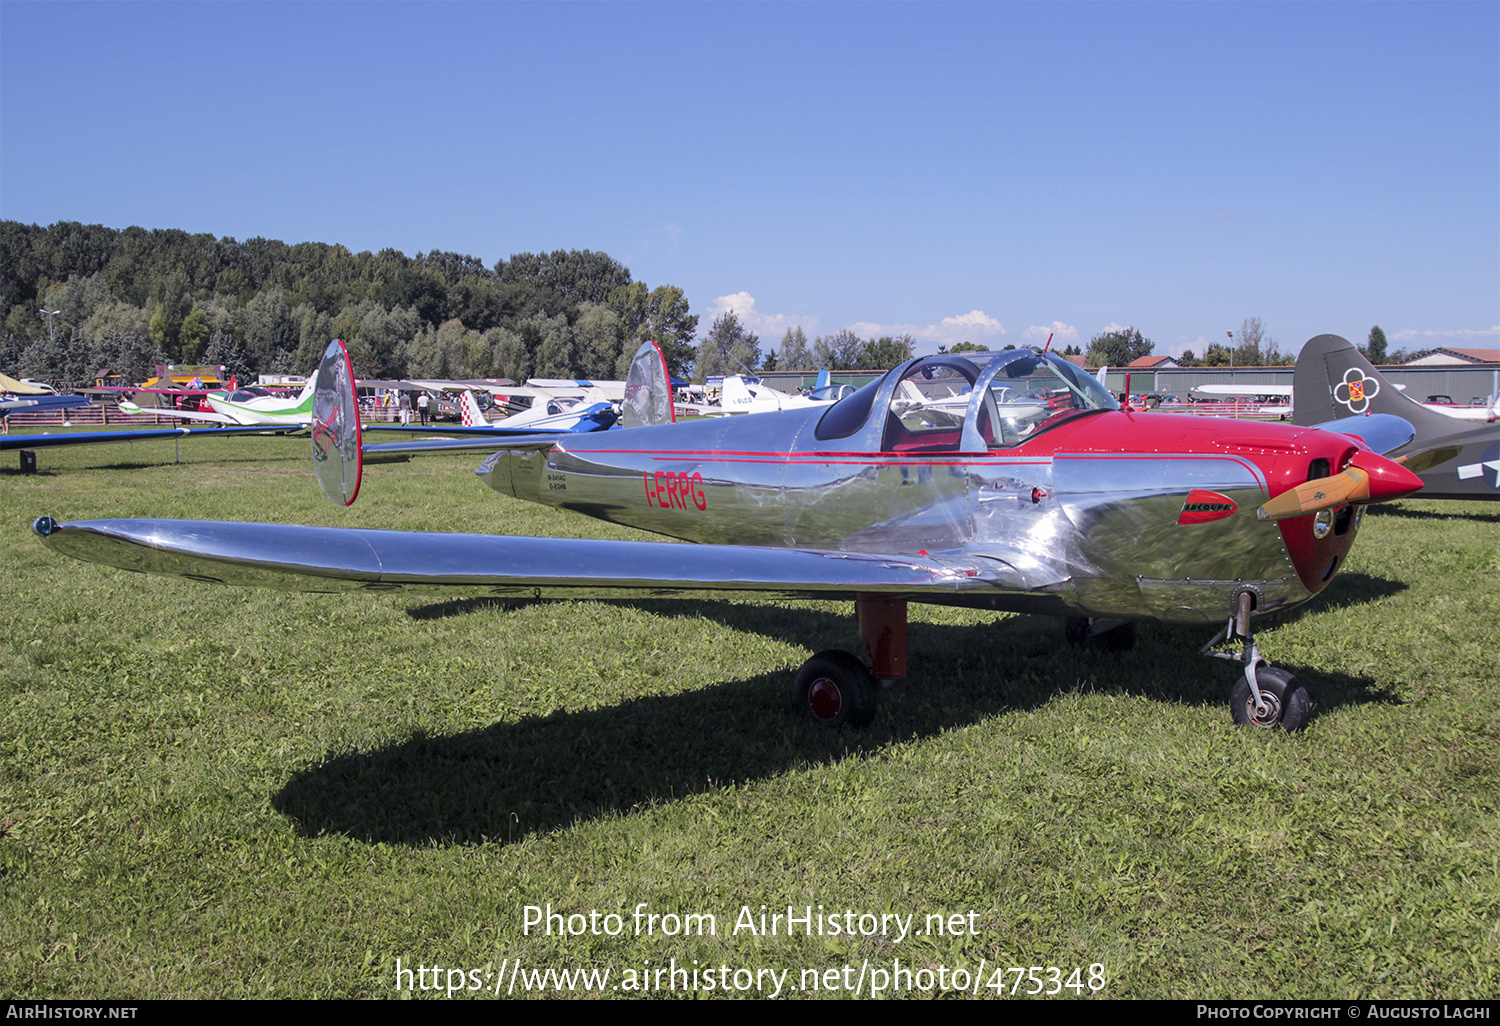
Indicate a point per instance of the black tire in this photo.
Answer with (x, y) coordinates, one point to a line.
(1116, 639)
(834, 688)
(1288, 706)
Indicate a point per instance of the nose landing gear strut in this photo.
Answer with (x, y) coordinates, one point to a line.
(1263, 696)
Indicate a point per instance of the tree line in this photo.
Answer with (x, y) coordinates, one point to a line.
(80, 298)
(1251, 346)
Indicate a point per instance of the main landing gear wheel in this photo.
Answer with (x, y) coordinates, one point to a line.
(1080, 630)
(834, 688)
(1284, 701)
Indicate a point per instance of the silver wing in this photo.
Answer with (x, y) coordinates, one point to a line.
(325, 559)
(40, 441)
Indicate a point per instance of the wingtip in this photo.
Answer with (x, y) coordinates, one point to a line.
(44, 526)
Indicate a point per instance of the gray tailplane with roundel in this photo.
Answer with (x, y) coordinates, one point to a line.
(1333, 380)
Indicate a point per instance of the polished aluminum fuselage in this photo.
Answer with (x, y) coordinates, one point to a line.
(1084, 519)
(1015, 485)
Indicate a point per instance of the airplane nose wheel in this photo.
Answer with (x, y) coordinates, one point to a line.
(834, 688)
(1284, 702)
(1263, 696)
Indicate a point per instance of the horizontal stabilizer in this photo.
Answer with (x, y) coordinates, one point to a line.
(490, 441)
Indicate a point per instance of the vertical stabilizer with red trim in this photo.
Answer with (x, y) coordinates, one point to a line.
(648, 389)
(470, 412)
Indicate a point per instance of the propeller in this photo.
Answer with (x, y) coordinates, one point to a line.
(1369, 478)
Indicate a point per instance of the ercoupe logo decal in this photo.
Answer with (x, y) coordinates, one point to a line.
(674, 491)
(1203, 506)
(1356, 390)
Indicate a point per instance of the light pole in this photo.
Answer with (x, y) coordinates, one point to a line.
(52, 338)
(1231, 349)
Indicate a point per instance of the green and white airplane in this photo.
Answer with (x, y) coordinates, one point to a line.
(253, 406)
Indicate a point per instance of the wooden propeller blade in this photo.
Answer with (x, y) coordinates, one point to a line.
(1350, 485)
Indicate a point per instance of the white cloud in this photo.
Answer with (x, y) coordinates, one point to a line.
(770, 327)
(1456, 334)
(970, 327)
(1063, 335)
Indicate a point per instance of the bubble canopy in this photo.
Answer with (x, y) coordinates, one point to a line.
(968, 402)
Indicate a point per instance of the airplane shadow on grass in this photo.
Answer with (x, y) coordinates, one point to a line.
(43, 471)
(1397, 511)
(504, 782)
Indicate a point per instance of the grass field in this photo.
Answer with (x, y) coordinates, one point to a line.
(220, 793)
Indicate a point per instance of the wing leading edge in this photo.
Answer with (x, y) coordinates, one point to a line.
(39, 441)
(324, 559)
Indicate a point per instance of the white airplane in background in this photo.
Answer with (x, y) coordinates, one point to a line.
(547, 413)
(1487, 411)
(740, 395)
(1285, 391)
(547, 417)
(1484, 412)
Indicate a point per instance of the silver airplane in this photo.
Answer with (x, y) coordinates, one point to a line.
(1040, 495)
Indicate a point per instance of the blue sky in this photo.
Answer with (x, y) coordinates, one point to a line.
(975, 171)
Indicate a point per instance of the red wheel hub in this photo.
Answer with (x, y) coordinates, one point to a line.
(825, 699)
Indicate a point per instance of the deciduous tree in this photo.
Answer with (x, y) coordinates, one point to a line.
(793, 354)
(839, 351)
(1118, 348)
(886, 352)
(727, 349)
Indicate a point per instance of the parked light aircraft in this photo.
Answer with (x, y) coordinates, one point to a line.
(547, 413)
(741, 395)
(1041, 497)
(1333, 379)
(1284, 391)
(40, 402)
(546, 417)
(247, 407)
(824, 390)
(535, 389)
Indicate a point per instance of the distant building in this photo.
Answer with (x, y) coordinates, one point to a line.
(1450, 356)
(1153, 363)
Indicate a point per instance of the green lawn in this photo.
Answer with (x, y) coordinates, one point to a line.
(220, 793)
